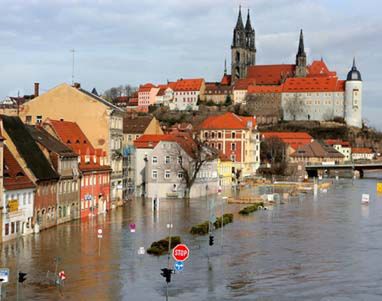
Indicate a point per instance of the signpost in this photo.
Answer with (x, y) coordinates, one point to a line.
(132, 228)
(181, 253)
(99, 231)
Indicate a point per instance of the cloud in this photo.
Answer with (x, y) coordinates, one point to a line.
(119, 41)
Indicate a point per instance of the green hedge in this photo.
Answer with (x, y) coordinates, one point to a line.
(202, 229)
(160, 247)
(250, 209)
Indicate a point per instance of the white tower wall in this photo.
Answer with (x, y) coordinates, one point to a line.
(353, 103)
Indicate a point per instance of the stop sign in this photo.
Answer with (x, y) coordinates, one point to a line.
(180, 252)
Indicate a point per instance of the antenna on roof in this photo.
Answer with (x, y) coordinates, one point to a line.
(72, 51)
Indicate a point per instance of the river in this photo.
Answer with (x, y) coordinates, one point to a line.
(324, 248)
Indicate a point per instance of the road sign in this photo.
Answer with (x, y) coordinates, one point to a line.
(379, 187)
(99, 231)
(179, 266)
(4, 275)
(180, 252)
(365, 198)
(132, 228)
(62, 275)
(141, 251)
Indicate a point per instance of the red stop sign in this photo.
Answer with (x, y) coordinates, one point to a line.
(180, 252)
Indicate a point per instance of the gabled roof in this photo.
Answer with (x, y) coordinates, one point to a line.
(49, 142)
(150, 141)
(316, 149)
(293, 139)
(136, 124)
(244, 83)
(270, 74)
(319, 68)
(332, 142)
(14, 175)
(146, 87)
(228, 121)
(100, 99)
(193, 84)
(28, 149)
(226, 80)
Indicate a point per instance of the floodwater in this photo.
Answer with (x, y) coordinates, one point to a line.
(324, 248)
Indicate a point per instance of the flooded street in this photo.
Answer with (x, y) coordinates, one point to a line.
(328, 248)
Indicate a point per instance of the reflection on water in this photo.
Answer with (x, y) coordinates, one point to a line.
(328, 248)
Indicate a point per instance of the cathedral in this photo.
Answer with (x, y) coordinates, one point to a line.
(301, 91)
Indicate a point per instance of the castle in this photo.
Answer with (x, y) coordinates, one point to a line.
(304, 92)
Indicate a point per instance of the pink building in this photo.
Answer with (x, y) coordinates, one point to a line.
(146, 96)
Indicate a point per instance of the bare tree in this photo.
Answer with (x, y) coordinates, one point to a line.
(113, 93)
(295, 106)
(192, 156)
(273, 150)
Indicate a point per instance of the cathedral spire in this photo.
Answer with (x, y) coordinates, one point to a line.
(354, 66)
(248, 25)
(301, 49)
(225, 66)
(239, 23)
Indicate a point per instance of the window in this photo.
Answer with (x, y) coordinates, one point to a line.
(154, 174)
(180, 175)
(28, 119)
(167, 174)
(179, 159)
(213, 135)
(12, 227)
(219, 135)
(233, 146)
(154, 160)
(167, 160)
(233, 158)
(206, 135)
(38, 119)
(219, 146)
(6, 229)
(233, 135)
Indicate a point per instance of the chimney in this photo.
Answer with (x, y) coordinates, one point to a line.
(36, 89)
(77, 85)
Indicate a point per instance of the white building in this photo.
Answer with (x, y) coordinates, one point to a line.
(362, 153)
(187, 93)
(341, 146)
(18, 199)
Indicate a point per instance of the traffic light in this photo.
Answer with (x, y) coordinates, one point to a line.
(211, 243)
(166, 273)
(22, 277)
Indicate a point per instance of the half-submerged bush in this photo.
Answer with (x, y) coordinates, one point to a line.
(160, 247)
(202, 229)
(250, 209)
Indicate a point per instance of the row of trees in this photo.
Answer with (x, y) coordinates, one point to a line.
(113, 93)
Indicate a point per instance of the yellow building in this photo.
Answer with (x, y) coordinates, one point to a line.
(135, 126)
(225, 171)
(101, 121)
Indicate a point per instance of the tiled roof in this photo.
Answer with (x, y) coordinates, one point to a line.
(270, 74)
(136, 124)
(188, 84)
(293, 139)
(264, 89)
(49, 142)
(319, 68)
(71, 135)
(14, 176)
(337, 142)
(100, 99)
(361, 150)
(146, 87)
(227, 121)
(226, 80)
(28, 149)
(316, 149)
(244, 83)
(217, 88)
(150, 141)
(313, 84)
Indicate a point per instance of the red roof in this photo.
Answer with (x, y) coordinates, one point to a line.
(146, 87)
(314, 84)
(150, 141)
(264, 89)
(332, 142)
(362, 150)
(14, 176)
(226, 80)
(188, 84)
(227, 121)
(270, 74)
(319, 68)
(293, 139)
(72, 135)
(244, 83)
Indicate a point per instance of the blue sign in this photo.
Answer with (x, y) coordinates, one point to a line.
(179, 266)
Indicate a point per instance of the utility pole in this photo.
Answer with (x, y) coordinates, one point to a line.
(73, 52)
(169, 227)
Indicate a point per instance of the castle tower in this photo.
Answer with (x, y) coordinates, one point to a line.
(301, 58)
(353, 97)
(243, 50)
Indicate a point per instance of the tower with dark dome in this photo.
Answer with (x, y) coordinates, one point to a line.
(243, 49)
(353, 97)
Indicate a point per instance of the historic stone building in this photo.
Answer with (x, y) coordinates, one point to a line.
(243, 49)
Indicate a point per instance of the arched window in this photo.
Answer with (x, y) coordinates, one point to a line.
(237, 56)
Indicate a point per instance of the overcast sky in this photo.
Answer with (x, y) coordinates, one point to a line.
(128, 41)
